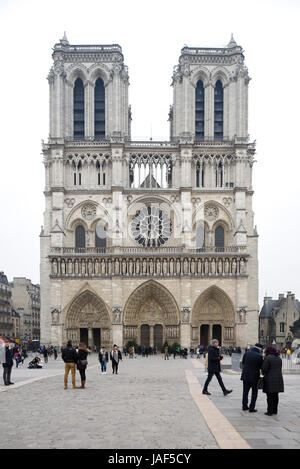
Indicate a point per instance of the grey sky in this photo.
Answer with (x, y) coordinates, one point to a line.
(151, 35)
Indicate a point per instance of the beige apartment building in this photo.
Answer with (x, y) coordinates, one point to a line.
(26, 302)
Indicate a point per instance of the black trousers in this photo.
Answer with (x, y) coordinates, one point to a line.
(209, 378)
(246, 388)
(115, 366)
(82, 374)
(272, 401)
(6, 373)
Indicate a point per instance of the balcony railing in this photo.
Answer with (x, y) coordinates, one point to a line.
(123, 250)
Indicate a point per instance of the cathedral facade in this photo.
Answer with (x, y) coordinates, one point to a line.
(149, 241)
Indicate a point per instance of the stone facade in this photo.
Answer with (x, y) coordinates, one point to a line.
(275, 319)
(150, 241)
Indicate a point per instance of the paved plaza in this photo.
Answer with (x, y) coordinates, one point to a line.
(152, 403)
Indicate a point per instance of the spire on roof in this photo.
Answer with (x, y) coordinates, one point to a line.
(232, 42)
(64, 40)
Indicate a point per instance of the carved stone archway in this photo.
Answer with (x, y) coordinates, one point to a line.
(88, 317)
(152, 304)
(213, 310)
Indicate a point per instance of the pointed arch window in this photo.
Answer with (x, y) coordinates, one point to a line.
(100, 236)
(78, 111)
(80, 237)
(199, 111)
(99, 108)
(219, 237)
(218, 111)
(200, 236)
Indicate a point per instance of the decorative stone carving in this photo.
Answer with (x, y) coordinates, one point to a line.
(88, 211)
(69, 202)
(55, 316)
(117, 314)
(185, 314)
(211, 212)
(242, 314)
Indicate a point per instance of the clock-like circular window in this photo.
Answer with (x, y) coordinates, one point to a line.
(151, 227)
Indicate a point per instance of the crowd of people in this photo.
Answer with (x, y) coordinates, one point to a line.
(261, 369)
(77, 357)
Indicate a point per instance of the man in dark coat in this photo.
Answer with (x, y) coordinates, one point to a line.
(214, 368)
(7, 364)
(252, 363)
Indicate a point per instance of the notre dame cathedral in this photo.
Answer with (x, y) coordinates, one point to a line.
(148, 240)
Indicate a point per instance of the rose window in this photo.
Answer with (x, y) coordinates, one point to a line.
(151, 227)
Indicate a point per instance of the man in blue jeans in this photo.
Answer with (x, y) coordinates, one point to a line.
(252, 363)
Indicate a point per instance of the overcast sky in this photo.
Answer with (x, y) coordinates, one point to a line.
(151, 34)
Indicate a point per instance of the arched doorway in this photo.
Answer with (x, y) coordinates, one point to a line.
(152, 309)
(88, 321)
(214, 317)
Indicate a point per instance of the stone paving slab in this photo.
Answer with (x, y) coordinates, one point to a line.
(260, 431)
(147, 405)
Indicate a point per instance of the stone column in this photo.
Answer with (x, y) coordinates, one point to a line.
(90, 337)
(152, 336)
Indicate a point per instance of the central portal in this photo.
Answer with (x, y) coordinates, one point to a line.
(151, 316)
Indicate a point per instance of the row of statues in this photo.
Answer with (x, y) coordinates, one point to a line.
(148, 266)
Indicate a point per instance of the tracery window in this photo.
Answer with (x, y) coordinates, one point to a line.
(78, 109)
(100, 236)
(218, 111)
(199, 111)
(151, 227)
(99, 108)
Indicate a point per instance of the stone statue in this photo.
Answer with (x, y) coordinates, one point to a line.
(117, 267)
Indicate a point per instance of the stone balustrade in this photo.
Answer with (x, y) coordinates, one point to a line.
(193, 265)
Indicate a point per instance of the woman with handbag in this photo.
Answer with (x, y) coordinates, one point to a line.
(273, 380)
(82, 354)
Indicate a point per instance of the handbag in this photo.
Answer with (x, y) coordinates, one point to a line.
(260, 383)
(81, 364)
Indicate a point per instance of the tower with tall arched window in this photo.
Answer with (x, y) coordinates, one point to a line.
(150, 242)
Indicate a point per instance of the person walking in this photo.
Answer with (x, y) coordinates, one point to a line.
(45, 354)
(103, 359)
(7, 364)
(273, 380)
(115, 356)
(82, 354)
(251, 363)
(214, 368)
(166, 353)
(69, 356)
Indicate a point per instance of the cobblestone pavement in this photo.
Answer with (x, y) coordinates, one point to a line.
(147, 405)
(260, 431)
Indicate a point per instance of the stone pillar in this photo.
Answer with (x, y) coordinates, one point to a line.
(90, 337)
(152, 336)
